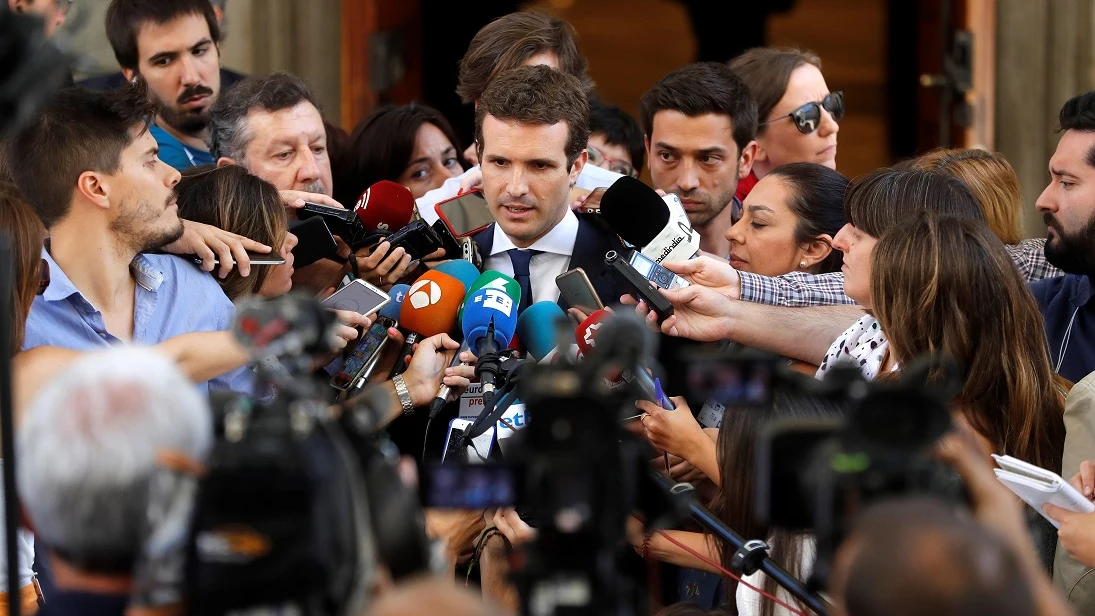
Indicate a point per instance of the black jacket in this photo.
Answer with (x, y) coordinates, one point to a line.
(593, 242)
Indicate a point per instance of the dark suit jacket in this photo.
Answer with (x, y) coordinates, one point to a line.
(593, 242)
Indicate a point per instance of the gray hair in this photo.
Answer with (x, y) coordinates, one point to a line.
(228, 130)
(88, 450)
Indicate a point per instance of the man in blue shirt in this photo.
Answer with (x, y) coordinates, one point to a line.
(88, 167)
(172, 46)
(1068, 206)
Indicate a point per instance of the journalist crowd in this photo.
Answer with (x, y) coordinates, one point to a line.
(260, 361)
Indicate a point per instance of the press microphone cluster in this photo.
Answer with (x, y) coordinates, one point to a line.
(657, 226)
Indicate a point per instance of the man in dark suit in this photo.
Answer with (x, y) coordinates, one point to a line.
(531, 129)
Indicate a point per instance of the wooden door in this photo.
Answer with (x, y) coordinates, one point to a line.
(381, 55)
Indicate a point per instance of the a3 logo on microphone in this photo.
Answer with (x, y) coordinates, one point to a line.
(424, 293)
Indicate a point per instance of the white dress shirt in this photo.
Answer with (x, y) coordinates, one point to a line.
(556, 248)
(591, 177)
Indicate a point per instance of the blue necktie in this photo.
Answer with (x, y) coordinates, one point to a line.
(521, 259)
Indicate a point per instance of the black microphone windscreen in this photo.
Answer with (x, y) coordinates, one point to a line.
(634, 211)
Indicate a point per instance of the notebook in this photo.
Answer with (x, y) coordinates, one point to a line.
(1037, 486)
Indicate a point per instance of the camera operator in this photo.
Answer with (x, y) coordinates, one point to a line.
(735, 473)
(89, 449)
(915, 557)
(272, 126)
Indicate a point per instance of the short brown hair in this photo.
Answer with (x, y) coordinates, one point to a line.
(230, 198)
(945, 285)
(766, 71)
(124, 19)
(510, 40)
(21, 225)
(537, 95)
(79, 130)
(699, 89)
(885, 198)
(991, 179)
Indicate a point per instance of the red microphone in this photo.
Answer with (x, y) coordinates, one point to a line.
(586, 334)
(586, 337)
(385, 207)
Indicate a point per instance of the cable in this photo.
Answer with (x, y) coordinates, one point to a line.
(727, 573)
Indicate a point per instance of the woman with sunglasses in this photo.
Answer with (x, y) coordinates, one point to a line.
(797, 115)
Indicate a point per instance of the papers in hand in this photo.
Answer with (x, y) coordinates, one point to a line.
(1037, 486)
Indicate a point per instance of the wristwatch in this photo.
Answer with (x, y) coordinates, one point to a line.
(403, 394)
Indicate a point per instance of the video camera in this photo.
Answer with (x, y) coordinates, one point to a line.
(294, 509)
(817, 474)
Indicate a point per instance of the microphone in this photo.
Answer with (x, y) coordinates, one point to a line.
(391, 310)
(658, 227)
(467, 274)
(537, 328)
(385, 207)
(461, 270)
(492, 279)
(428, 309)
(489, 322)
(586, 337)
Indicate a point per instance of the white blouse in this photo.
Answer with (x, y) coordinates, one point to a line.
(863, 344)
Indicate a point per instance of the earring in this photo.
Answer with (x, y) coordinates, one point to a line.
(802, 264)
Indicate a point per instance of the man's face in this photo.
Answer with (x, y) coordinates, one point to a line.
(52, 12)
(288, 148)
(525, 176)
(144, 213)
(695, 159)
(1068, 205)
(180, 63)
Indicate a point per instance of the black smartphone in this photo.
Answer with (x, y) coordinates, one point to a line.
(365, 353)
(417, 238)
(342, 223)
(465, 215)
(314, 241)
(468, 486)
(637, 284)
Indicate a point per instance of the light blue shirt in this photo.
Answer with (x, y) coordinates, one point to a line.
(176, 153)
(173, 297)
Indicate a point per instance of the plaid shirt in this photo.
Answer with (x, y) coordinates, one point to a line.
(803, 289)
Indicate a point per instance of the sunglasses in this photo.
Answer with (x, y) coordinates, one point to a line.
(598, 159)
(43, 282)
(808, 117)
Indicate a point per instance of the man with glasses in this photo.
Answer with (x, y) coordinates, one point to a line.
(52, 12)
(699, 124)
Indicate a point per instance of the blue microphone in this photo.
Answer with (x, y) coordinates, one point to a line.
(461, 270)
(397, 294)
(489, 322)
(536, 328)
